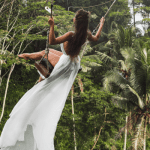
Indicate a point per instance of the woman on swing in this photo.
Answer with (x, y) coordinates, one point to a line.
(72, 41)
(33, 120)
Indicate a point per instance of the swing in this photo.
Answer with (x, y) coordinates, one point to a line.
(44, 66)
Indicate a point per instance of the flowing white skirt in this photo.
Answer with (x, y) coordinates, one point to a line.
(33, 121)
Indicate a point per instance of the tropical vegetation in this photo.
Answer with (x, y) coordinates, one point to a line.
(108, 105)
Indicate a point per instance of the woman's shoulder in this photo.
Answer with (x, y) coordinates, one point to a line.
(71, 33)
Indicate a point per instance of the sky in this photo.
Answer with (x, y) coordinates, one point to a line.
(138, 17)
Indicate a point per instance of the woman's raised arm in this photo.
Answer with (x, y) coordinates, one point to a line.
(96, 37)
(61, 39)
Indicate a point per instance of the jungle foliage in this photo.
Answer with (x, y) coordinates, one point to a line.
(113, 83)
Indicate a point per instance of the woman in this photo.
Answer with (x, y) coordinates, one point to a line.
(33, 121)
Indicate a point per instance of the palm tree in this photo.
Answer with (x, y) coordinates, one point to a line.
(125, 61)
(72, 91)
(132, 90)
(112, 54)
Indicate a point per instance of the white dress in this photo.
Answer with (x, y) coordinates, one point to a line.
(33, 120)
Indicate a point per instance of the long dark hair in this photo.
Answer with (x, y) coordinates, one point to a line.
(80, 35)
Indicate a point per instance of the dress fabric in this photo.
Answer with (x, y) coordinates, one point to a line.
(33, 120)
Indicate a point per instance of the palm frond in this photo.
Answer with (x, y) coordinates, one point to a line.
(85, 68)
(148, 81)
(140, 102)
(129, 61)
(93, 58)
(129, 36)
(121, 36)
(114, 77)
(108, 44)
(144, 55)
(122, 102)
(114, 81)
(90, 61)
(113, 26)
(128, 53)
(148, 57)
(101, 47)
(138, 76)
(123, 65)
(106, 59)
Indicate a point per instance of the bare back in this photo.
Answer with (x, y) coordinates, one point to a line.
(90, 37)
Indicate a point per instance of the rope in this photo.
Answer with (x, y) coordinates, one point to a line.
(51, 8)
(96, 28)
(90, 6)
(109, 8)
(47, 49)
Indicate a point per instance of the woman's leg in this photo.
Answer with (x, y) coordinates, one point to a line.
(53, 58)
(35, 56)
(55, 52)
(38, 55)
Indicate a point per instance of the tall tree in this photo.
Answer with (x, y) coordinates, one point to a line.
(131, 88)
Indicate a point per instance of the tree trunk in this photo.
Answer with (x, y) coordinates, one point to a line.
(125, 136)
(145, 125)
(11, 70)
(100, 130)
(72, 90)
(133, 13)
(0, 72)
(137, 132)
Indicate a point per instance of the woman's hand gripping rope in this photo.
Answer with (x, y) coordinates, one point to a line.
(102, 21)
(51, 21)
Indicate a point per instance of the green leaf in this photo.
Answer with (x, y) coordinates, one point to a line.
(140, 102)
